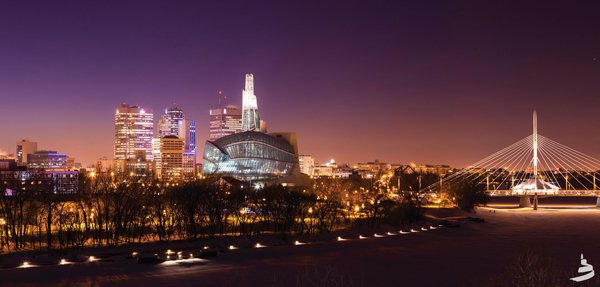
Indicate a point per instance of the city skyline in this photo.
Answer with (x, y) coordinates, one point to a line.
(360, 88)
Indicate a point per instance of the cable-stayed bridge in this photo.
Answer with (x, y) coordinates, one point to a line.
(532, 167)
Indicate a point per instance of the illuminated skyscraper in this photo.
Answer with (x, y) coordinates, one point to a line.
(307, 164)
(224, 121)
(187, 132)
(24, 148)
(168, 157)
(169, 123)
(173, 124)
(250, 118)
(134, 128)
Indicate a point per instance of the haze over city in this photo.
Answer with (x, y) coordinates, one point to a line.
(424, 82)
(299, 143)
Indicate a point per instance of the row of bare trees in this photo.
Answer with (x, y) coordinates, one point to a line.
(112, 210)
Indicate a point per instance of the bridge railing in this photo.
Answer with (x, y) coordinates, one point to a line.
(590, 193)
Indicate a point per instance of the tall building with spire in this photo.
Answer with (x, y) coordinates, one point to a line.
(250, 118)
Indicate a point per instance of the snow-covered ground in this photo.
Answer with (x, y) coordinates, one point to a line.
(440, 257)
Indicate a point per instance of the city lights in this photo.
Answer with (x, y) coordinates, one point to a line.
(288, 143)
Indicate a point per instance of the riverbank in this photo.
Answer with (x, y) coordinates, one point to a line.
(466, 256)
(194, 248)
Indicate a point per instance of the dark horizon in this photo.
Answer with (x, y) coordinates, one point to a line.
(434, 83)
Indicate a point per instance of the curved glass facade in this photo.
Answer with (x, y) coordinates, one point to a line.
(248, 156)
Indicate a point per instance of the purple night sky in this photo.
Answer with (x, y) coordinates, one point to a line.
(447, 82)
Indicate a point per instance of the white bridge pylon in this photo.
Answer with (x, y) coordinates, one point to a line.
(532, 166)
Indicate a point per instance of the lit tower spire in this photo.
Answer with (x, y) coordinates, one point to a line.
(250, 119)
(535, 150)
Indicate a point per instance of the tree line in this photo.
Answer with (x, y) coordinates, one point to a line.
(112, 210)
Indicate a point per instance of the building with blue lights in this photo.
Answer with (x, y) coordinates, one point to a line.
(47, 160)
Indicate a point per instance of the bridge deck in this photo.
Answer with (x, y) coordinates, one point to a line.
(585, 193)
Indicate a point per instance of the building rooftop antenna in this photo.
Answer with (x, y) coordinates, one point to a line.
(222, 99)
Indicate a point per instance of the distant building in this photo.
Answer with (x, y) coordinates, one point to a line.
(174, 124)
(323, 171)
(24, 147)
(199, 168)
(7, 163)
(138, 166)
(57, 182)
(187, 132)
(103, 164)
(168, 157)
(47, 160)
(372, 168)
(263, 126)
(134, 129)
(343, 171)
(307, 164)
(169, 124)
(439, 169)
(224, 121)
(72, 164)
